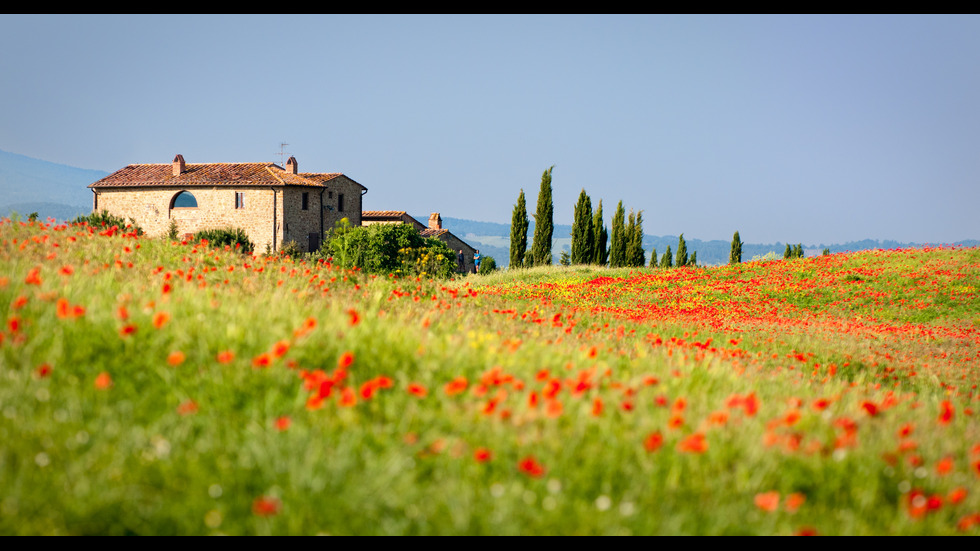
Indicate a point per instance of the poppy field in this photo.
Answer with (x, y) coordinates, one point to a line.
(159, 387)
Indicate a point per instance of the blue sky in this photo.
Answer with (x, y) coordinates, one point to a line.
(812, 129)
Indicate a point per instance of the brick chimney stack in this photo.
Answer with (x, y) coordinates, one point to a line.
(178, 164)
(435, 221)
(292, 166)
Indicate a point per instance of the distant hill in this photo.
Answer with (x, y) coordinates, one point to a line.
(50, 189)
(493, 239)
(60, 191)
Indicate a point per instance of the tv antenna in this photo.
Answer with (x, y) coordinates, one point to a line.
(282, 152)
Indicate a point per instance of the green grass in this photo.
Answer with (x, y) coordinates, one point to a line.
(137, 458)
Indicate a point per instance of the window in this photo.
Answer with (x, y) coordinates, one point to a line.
(306, 200)
(340, 202)
(239, 200)
(184, 200)
(329, 195)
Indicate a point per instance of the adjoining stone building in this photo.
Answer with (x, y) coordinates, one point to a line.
(434, 229)
(274, 205)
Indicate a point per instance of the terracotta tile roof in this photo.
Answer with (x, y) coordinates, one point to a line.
(433, 233)
(212, 174)
(384, 214)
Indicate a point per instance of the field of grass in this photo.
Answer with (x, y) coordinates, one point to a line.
(157, 387)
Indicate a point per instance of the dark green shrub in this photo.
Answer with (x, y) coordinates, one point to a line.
(236, 238)
(488, 265)
(104, 219)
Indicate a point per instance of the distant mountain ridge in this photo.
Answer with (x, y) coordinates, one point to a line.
(60, 191)
(493, 239)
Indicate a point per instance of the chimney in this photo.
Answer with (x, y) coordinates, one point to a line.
(435, 221)
(178, 164)
(291, 165)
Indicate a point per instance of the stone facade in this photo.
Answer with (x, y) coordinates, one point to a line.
(271, 204)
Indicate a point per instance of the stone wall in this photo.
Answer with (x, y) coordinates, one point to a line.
(152, 210)
(456, 244)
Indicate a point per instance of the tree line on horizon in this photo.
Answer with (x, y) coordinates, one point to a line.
(592, 242)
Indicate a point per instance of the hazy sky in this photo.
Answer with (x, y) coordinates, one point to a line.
(812, 129)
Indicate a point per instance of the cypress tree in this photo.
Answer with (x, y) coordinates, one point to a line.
(665, 261)
(735, 256)
(617, 244)
(653, 258)
(582, 231)
(693, 262)
(601, 255)
(543, 223)
(628, 241)
(788, 253)
(636, 254)
(518, 232)
(681, 259)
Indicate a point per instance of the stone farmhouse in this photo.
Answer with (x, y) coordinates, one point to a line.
(434, 229)
(274, 205)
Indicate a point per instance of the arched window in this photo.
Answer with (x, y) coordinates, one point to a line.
(184, 200)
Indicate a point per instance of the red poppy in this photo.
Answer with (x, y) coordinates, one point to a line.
(266, 506)
(957, 495)
(127, 330)
(348, 398)
(653, 442)
(283, 423)
(767, 501)
(354, 317)
(345, 360)
(946, 412)
(225, 356)
(176, 358)
(33, 276)
(43, 370)
(944, 466)
(794, 501)
(482, 455)
(280, 348)
(530, 466)
(187, 408)
(103, 381)
(695, 443)
(415, 389)
(597, 407)
(455, 386)
(262, 360)
(160, 319)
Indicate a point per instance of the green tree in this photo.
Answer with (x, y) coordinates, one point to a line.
(681, 258)
(544, 226)
(582, 231)
(617, 242)
(633, 236)
(693, 262)
(735, 256)
(788, 253)
(665, 261)
(601, 256)
(518, 232)
(654, 259)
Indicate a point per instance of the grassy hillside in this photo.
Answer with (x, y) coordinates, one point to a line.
(157, 387)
